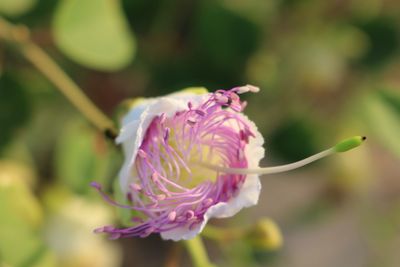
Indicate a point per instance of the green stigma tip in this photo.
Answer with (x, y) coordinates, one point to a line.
(350, 143)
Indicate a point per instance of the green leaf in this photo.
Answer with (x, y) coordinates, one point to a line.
(20, 220)
(383, 120)
(15, 7)
(94, 33)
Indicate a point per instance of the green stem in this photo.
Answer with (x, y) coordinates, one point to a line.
(198, 252)
(222, 234)
(19, 36)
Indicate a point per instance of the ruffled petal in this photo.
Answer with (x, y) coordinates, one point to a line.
(136, 122)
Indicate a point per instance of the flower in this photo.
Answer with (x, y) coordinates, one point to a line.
(167, 142)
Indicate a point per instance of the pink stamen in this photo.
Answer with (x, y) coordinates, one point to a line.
(163, 165)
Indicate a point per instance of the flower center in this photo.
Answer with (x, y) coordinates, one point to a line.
(173, 147)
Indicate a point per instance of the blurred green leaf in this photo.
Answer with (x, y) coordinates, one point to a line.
(82, 156)
(294, 139)
(383, 120)
(20, 220)
(392, 98)
(383, 38)
(14, 108)
(45, 258)
(225, 38)
(94, 33)
(15, 7)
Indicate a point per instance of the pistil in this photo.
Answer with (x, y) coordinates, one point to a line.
(342, 146)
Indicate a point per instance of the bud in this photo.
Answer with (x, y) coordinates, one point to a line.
(265, 235)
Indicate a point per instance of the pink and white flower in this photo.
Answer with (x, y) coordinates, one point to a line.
(167, 142)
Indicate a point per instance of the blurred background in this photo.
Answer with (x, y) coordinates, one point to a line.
(327, 70)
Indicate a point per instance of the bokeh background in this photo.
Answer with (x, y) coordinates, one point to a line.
(327, 70)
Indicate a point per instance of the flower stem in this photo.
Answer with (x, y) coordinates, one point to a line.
(19, 36)
(198, 252)
(222, 234)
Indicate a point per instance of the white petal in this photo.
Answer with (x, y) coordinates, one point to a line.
(182, 233)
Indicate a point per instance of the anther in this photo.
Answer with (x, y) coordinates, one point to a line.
(247, 88)
(135, 187)
(200, 112)
(172, 216)
(189, 214)
(222, 99)
(191, 122)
